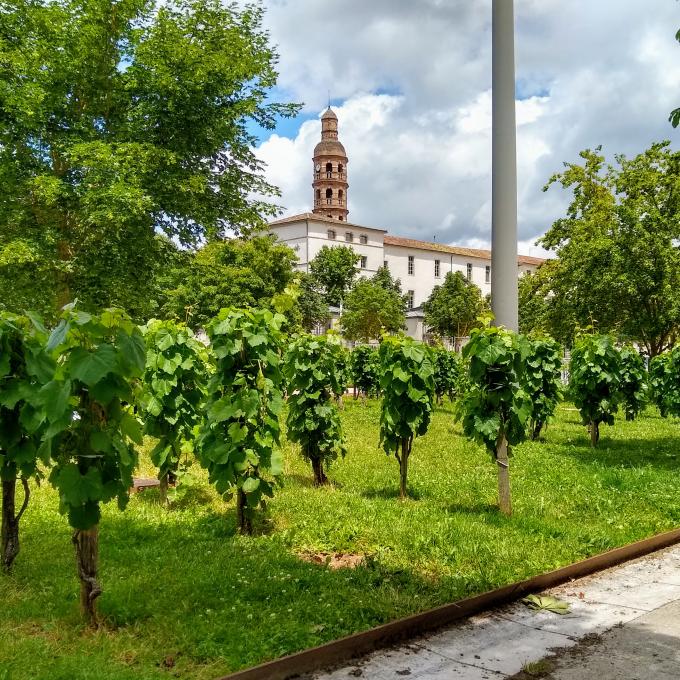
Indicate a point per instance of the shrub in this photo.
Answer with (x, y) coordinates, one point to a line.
(495, 408)
(174, 389)
(313, 373)
(542, 381)
(239, 443)
(595, 381)
(365, 365)
(446, 373)
(407, 385)
(23, 368)
(92, 427)
(634, 387)
(664, 378)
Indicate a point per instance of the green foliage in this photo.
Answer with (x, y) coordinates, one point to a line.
(618, 248)
(173, 393)
(595, 380)
(664, 379)
(374, 306)
(453, 309)
(313, 307)
(24, 367)
(496, 404)
(314, 377)
(366, 370)
(239, 442)
(448, 545)
(407, 386)
(334, 270)
(96, 159)
(238, 272)
(87, 403)
(634, 387)
(447, 370)
(542, 381)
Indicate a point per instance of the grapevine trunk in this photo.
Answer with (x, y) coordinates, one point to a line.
(594, 433)
(10, 527)
(503, 463)
(403, 468)
(245, 524)
(10, 520)
(86, 543)
(319, 476)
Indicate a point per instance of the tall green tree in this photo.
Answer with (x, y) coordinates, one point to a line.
(334, 268)
(311, 302)
(121, 120)
(373, 306)
(239, 272)
(618, 265)
(453, 308)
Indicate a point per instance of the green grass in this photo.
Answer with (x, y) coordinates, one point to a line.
(186, 597)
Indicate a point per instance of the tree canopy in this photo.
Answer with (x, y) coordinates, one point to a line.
(453, 308)
(334, 269)
(239, 272)
(121, 121)
(372, 307)
(618, 265)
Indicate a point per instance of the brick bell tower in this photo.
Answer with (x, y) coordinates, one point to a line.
(330, 171)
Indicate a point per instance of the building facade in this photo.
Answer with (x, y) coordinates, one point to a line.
(419, 265)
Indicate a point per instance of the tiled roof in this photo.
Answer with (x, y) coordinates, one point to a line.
(320, 218)
(453, 250)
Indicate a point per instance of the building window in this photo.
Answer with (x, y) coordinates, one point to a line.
(487, 274)
(341, 218)
(411, 265)
(385, 264)
(331, 234)
(349, 236)
(409, 299)
(329, 169)
(437, 269)
(469, 271)
(363, 262)
(329, 196)
(363, 239)
(340, 168)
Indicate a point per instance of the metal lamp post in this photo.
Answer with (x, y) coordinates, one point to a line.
(504, 168)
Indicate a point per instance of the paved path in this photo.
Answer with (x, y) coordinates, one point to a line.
(624, 624)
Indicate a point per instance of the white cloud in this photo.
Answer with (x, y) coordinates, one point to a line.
(415, 77)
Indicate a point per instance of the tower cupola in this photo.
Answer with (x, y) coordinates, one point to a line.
(330, 171)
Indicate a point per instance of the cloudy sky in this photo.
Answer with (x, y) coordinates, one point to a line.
(410, 81)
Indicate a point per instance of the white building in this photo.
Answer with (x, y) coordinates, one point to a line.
(419, 265)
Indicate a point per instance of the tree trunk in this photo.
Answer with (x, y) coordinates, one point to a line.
(403, 468)
(10, 520)
(163, 488)
(319, 476)
(245, 524)
(594, 433)
(536, 427)
(356, 392)
(503, 463)
(86, 542)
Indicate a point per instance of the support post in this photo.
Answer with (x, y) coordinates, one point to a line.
(504, 168)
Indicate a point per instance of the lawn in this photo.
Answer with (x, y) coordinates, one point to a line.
(184, 596)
